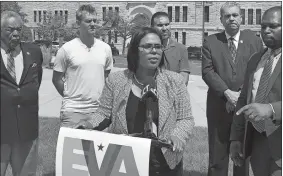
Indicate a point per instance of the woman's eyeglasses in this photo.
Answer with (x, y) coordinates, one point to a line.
(149, 47)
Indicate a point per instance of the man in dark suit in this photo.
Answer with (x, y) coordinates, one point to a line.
(256, 129)
(225, 57)
(21, 74)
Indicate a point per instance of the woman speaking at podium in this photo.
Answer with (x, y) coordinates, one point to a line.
(147, 100)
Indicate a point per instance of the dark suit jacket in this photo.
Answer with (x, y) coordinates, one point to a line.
(220, 73)
(19, 103)
(241, 129)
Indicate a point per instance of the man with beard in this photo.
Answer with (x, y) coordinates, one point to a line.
(176, 54)
(224, 63)
(21, 74)
(80, 69)
(256, 130)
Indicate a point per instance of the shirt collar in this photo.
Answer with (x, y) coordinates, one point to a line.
(276, 51)
(6, 48)
(236, 37)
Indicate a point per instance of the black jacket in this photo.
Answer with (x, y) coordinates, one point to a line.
(19, 103)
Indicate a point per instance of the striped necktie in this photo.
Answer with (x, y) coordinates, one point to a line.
(261, 91)
(232, 48)
(11, 64)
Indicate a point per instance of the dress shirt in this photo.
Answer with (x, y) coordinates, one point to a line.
(19, 62)
(235, 37)
(260, 68)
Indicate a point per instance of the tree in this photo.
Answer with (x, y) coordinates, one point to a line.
(125, 27)
(51, 28)
(14, 6)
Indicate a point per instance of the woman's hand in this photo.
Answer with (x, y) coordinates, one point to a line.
(177, 143)
(83, 125)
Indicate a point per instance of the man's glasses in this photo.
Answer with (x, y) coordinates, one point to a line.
(149, 47)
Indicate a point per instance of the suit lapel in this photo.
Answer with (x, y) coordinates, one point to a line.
(27, 61)
(275, 74)
(241, 47)
(226, 51)
(125, 88)
(163, 103)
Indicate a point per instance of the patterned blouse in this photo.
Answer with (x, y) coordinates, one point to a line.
(175, 114)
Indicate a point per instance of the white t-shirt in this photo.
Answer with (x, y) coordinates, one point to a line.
(84, 73)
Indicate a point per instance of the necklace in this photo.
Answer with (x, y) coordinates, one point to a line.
(137, 80)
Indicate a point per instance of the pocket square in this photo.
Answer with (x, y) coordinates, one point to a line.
(34, 65)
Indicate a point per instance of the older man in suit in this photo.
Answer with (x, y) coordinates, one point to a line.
(257, 123)
(225, 57)
(21, 74)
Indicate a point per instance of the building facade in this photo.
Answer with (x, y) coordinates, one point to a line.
(186, 17)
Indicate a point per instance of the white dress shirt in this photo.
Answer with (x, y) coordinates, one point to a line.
(236, 38)
(19, 62)
(259, 71)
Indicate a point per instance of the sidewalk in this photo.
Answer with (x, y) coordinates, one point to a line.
(50, 100)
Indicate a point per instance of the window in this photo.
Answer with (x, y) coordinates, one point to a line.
(205, 34)
(56, 12)
(176, 36)
(206, 13)
(185, 13)
(177, 14)
(110, 8)
(184, 38)
(39, 16)
(34, 16)
(258, 16)
(243, 11)
(103, 13)
(116, 36)
(66, 16)
(170, 13)
(250, 16)
(34, 37)
(61, 13)
(44, 16)
(117, 9)
(109, 37)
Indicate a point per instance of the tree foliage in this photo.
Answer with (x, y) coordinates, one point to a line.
(124, 27)
(54, 27)
(14, 6)
(51, 27)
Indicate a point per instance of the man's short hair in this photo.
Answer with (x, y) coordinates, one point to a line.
(84, 8)
(8, 14)
(229, 4)
(156, 15)
(133, 51)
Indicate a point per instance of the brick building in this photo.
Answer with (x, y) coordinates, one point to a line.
(186, 17)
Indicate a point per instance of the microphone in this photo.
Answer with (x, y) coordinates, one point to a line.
(149, 96)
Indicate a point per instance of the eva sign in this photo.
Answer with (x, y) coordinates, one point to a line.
(95, 153)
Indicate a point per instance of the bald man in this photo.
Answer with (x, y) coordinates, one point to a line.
(256, 129)
(21, 74)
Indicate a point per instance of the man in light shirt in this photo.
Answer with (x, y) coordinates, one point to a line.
(224, 61)
(256, 129)
(80, 69)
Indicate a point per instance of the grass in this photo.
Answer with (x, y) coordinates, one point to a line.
(195, 157)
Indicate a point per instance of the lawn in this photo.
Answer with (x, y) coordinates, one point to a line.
(195, 158)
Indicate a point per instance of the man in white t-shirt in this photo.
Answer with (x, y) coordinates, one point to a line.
(80, 69)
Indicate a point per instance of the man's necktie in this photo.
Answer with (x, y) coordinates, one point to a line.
(232, 48)
(11, 65)
(261, 91)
